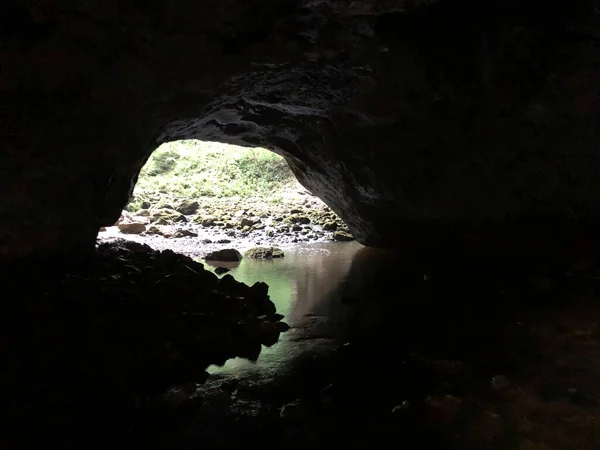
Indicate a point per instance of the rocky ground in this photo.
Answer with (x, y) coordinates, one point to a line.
(453, 355)
(105, 344)
(194, 227)
(442, 353)
(438, 352)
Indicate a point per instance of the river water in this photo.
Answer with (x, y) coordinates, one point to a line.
(307, 286)
(385, 347)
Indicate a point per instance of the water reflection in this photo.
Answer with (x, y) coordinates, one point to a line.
(495, 352)
(306, 286)
(331, 293)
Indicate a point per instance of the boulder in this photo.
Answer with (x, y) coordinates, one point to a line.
(205, 220)
(342, 236)
(125, 217)
(330, 226)
(249, 221)
(166, 217)
(188, 207)
(154, 230)
(264, 253)
(226, 254)
(300, 219)
(184, 232)
(132, 228)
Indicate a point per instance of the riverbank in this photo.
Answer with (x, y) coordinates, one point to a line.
(457, 353)
(99, 346)
(195, 227)
(195, 197)
(460, 354)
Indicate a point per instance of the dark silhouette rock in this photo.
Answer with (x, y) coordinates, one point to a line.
(227, 254)
(221, 270)
(128, 322)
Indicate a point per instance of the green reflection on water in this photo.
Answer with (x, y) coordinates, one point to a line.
(298, 283)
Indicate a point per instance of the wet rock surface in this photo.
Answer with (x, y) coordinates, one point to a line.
(104, 343)
(513, 364)
(264, 253)
(506, 367)
(217, 222)
(227, 254)
(486, 140)
(131, 228)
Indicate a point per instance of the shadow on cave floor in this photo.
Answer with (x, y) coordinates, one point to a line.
(451, 354)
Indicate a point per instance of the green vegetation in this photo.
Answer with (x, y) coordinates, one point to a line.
(193, 169)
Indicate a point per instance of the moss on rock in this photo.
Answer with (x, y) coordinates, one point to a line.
(264, 253)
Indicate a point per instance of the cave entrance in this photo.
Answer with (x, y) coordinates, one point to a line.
(192, 195)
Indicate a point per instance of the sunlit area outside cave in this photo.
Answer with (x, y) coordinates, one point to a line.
(193, 197)
(241, 211)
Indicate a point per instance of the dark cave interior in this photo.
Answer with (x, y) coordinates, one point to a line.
(456, 139)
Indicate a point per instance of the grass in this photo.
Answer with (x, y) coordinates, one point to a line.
(194, 169)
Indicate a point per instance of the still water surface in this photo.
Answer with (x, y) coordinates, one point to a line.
(307, 286)
(504, 349)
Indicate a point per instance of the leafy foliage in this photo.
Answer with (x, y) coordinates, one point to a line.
(193, 169)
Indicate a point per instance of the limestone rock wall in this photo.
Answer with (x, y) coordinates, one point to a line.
(418, 122)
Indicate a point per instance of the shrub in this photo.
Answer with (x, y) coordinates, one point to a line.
(162, 161)
(193, 169)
